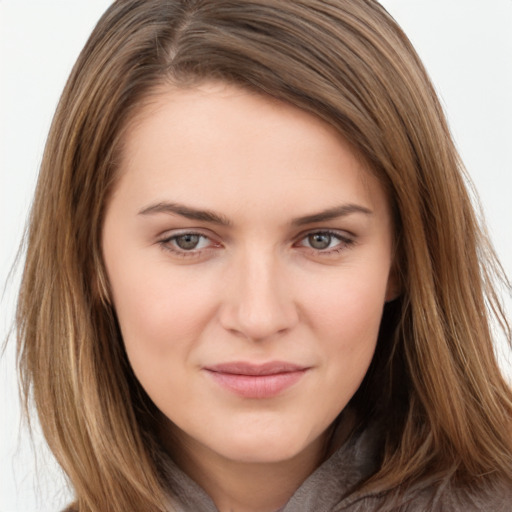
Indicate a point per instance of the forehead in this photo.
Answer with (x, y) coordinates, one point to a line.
(224, 144)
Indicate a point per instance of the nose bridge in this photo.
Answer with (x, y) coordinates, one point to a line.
(259, 302)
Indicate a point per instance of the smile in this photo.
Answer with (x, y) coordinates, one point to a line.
(256, 381)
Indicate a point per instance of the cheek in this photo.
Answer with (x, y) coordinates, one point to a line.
(349, 305)
(346, 318)
(162, 317)
(160, 309)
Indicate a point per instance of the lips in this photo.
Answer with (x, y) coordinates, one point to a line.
(256, 380)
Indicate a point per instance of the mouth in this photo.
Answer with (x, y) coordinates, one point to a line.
(256, 380)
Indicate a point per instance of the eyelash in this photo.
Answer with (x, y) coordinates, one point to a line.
(345, 242)
(166, 245)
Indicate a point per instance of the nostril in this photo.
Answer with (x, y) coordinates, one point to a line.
(257, 302)
(258, 321)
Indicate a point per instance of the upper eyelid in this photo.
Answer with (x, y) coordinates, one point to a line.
(166, 244)
(165, 241)
(341, 233)
(345, 241)
(169, 235)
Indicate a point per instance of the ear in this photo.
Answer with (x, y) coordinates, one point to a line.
(394, 285)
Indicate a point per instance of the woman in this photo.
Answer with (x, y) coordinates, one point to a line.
(254, 278)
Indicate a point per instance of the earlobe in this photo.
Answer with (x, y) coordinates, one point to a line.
(393, 288)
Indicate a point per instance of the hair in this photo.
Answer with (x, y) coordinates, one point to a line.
(347, 62)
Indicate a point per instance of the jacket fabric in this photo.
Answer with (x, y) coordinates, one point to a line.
(330, 488)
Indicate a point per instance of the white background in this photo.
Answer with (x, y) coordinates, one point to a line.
(465, 44)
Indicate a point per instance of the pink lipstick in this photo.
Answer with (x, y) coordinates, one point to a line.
(256, 380)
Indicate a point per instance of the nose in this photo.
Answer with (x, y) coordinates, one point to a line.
(258, 299)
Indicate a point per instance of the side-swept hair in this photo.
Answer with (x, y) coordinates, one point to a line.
(434, 380)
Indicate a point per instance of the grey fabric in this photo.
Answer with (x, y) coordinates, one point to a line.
(330, 488)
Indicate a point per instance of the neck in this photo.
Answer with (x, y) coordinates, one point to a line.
(236, 486)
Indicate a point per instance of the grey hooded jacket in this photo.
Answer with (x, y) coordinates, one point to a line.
(329, 488)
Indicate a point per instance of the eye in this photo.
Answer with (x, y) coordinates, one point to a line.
(320, 241)
(187, 243)
(325, 241)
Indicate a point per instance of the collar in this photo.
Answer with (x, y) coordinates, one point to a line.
(329, 485)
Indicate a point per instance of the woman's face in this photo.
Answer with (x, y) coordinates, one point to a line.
(249, 254)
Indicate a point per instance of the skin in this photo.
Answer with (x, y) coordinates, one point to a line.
(257, 287)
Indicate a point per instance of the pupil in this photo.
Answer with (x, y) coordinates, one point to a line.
(187, 242)
(319, 240)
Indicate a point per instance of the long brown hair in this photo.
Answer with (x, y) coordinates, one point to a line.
(434, 380)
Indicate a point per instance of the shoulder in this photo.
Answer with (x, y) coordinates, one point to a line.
(472, 497)
(442, 496)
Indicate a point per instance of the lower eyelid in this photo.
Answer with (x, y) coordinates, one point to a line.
(176, 251)
(343, 240)
(168, 244)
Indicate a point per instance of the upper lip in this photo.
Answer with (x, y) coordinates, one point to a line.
(244, 368)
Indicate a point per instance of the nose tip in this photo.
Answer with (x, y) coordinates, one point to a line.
(261, 321)
(258, 305)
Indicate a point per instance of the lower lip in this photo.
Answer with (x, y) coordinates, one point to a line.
(257, 386)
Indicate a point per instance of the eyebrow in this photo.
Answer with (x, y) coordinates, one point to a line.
(186, 211)
(331, 213)
(216, 218)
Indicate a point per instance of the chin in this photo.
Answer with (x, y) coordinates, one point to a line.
(262, 448)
